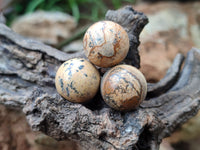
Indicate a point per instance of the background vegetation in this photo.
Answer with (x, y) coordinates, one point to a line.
(92, 10)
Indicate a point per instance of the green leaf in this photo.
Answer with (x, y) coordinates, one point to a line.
(101, 5)
(130, 1)
(75, 9)
(116, 3)
(51, 4)
(18, 8)
(33, 5)
(94, 14)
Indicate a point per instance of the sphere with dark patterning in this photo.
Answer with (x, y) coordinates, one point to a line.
(123, 87)
(106, 43)
(77, 80)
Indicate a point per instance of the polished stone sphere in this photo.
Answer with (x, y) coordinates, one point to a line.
(123, 87)
(77, 80)
(106, 43)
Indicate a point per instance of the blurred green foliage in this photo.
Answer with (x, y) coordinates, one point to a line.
(92, 10)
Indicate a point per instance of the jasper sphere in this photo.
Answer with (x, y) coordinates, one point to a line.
(77, 80)
(123, 87)
(106, 43)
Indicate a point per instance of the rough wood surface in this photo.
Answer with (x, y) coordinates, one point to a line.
(27, 71)
(133, 22)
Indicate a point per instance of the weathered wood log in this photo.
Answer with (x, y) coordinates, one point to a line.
(27, 71)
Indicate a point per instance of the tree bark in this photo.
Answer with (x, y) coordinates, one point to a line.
(27, 72)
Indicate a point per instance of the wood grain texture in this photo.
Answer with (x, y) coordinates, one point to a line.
(27, 72)
(133, 22)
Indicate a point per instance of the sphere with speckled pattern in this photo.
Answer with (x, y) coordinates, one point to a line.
(77, 80)
(106, 43)
(123, 87)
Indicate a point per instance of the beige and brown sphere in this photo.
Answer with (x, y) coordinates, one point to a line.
(77, 80)
(106, 43)
(123, 87)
